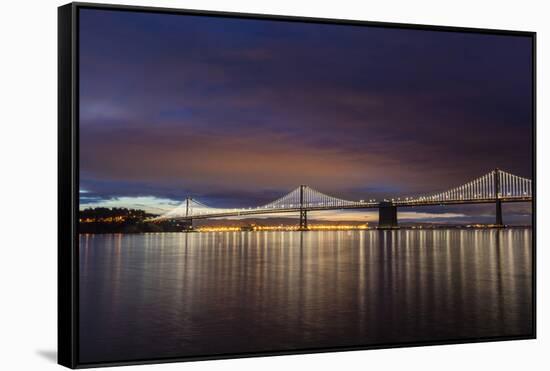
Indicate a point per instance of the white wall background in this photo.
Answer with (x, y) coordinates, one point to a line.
(28, 80)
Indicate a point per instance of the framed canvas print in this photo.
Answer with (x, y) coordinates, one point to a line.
(235, 185)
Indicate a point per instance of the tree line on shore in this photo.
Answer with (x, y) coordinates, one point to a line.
(122, 220)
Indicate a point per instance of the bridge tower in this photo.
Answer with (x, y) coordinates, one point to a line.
(387, 216)
(303, 211)
(498, 202)
(188, 223)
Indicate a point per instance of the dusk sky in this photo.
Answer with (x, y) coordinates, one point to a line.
(237, 112)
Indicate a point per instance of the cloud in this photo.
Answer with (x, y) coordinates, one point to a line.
(150, 204)
(414, 215)
(235, 112)
(371, 216)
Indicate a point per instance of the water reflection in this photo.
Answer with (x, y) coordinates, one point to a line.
(162, 295)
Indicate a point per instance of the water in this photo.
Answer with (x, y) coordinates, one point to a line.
(176, 294)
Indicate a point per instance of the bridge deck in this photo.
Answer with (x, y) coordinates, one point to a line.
(365, 205)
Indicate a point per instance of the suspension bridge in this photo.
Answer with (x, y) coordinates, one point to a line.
(496, 187)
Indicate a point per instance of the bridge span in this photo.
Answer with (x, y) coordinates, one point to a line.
(496, 187)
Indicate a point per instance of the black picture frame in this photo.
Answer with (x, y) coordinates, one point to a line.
(68, 178)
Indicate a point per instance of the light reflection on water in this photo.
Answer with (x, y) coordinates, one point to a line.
(177, 294)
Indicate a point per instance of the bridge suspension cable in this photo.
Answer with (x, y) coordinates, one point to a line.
(300, 197)
(495, 184)
(514, 186)
(305, 196)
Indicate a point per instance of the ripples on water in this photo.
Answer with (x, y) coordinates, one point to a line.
(177, 294)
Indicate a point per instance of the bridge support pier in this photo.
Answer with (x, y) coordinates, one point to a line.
(187, 225)
(303, 220)
(387, 216)
(303, 212)
(498, 202)
(498, 214)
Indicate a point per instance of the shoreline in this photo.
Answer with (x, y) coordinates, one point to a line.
(412, 228)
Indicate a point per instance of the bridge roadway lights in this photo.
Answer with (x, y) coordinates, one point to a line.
(387, 216)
